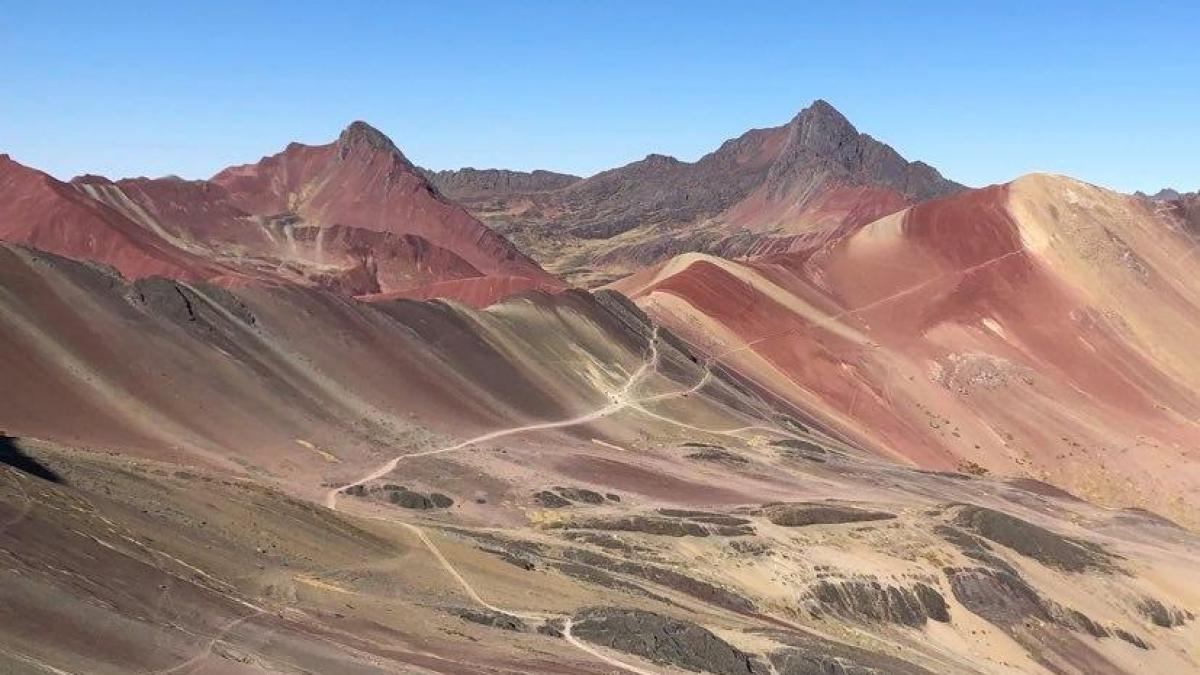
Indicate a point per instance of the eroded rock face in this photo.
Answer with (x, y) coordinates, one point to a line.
(1162, 615)
(663, 576)
(803, 514)
(794, 448)
(664, 640)
(550, 500)
(667, 527)
(1131, 638)
(577, 494)
(1034, 541)
(805, 654)
(718, 456)
(485, 617)
(402, 496)
(871, 601)
(562, 497)
(798, 662)
(705, 517)
(996, 595)
(671, 523)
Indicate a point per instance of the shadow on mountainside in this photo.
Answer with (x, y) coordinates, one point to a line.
(12, 455)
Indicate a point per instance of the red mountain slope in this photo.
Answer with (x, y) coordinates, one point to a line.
(40, 211)
(1042, 328)
(363, 181)
(352, 216)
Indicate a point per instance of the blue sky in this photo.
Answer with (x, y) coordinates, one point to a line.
(1103, 91)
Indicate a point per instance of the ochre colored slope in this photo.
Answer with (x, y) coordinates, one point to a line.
(279, 478)
(1043, 328)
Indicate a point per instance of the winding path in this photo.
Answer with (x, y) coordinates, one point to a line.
(621, 399)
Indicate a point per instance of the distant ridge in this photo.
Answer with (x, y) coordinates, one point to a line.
(816, 173)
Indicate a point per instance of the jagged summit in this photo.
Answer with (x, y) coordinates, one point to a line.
(472, 183)
(658, 158)
(360, 135)
(768, 188)
(821, 124)
(1169, 195)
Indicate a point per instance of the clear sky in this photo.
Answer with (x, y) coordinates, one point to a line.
(1105, 91)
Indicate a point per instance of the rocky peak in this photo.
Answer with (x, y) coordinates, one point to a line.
(655, 158)
(822, 142)
(1169, 195)
(361, 138)
(90, 179)
(821, 128)
(655, 163)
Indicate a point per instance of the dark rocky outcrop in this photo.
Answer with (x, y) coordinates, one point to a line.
(514, 557)
(598, 577)
(974, 547)
(801, 662)
(666, 527)
(998, 596)
(550, 500)
(410, 500)
(705, 517)
(1007, 600)
(576, 494)
(526, 555)
(664, 640)
(1161, 615)
(717, 456)
(868, 600)
(1034, 541)
(806, 654)
(1081, 622)
(562, 497)
(795, 448)
(601, 539)
(553, 628)
(401, 496)
(701, 590)
(799, 444)
(486, 617)
(1131, 638)
(803, 514)
(666, 524)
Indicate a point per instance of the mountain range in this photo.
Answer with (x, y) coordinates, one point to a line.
(767, 190)
(800, 406)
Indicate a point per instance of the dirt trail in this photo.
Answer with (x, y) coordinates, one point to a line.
(206, 651)
(621, 399)
(537, 617)
(575, 642)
